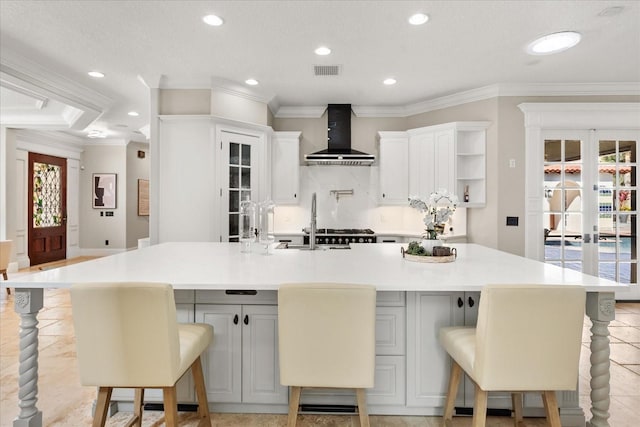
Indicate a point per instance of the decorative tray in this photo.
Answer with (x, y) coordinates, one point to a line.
(427, 258)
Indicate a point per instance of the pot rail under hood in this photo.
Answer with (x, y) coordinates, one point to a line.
(339, 151)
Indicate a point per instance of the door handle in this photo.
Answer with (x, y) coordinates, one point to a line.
(246, 319)
(235, 319)
(586, 238)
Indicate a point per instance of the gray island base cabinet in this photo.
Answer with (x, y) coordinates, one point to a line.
(237, 293)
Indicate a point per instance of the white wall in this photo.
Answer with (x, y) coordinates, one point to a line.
(137, 168)
(96, 229)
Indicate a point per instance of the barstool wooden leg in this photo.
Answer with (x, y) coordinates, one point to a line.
(170, 406)
(480, 408)
(516, 402)
(102, 406)
(201, 392)
(454, 381)
(361, 395)
(138, 407)
(551, 407)
(294, 401)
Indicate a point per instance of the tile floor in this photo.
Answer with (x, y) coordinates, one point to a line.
(65, 403)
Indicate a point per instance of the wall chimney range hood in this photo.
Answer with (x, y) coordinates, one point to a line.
(339, 151)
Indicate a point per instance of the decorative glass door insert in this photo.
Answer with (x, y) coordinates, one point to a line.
(47, 203)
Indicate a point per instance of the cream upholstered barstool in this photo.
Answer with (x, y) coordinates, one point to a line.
(127, 335)
(327, 340)
(5, 256)
(527, 339)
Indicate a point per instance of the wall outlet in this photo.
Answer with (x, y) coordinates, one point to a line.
(106, 243)
(512, 163)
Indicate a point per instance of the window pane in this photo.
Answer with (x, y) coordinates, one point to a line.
(246, 177)
(234, 177)
(234, 153)
(233, 224)
(573, 249)
(246, 195)
(572, 151)
(552, 151)
(577, 266)
(234, 201)
(607, 270)
(246, 155)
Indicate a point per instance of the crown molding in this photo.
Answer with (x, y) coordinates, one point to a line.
(305, 112)
(50, 142)
(478, 94)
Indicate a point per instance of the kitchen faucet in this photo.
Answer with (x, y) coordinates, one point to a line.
(312, 232)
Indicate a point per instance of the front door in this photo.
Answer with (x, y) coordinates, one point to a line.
(47, 208)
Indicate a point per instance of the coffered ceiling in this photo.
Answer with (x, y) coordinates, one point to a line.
(466, 47)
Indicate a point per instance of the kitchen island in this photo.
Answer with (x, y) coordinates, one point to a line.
(218, 284)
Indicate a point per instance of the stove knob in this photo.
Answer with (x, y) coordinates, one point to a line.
(317, 239)
(346, 240)
(340, 240)
(333, 240)
(369, 240)
(361, 240)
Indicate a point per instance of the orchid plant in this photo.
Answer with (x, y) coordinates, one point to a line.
(437, 209)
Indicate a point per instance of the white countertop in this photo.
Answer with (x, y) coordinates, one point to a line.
(204, 265)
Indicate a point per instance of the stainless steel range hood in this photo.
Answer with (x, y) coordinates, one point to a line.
(339, 151)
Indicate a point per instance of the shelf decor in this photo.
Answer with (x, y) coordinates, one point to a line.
(437, 209)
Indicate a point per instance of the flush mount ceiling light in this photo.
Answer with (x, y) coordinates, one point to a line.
(96, 74)
(390, 81)
(213, 20)
(554, 43)
(97, 134)
(251, 82)
(418, 19)
(322, 51)
(133, 113)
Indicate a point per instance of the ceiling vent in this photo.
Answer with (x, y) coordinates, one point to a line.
(326, 70)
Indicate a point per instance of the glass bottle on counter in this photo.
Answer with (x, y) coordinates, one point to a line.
(266, 224)
(247, 224)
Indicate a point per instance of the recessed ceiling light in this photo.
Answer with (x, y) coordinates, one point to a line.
(418, 19)
(213, 20)
(390, 81)
(251, 82)
(553, 43)
(133, 113)
(322, 51)
(96, 74)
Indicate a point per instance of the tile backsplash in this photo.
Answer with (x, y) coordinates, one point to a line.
(360, 210)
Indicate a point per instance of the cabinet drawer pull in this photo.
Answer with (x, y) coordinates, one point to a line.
(235, 319)
(460, 302)
(471, 302)
(246, 319)
(240, 292)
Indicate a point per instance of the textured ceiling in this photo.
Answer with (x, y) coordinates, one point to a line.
(465, 45)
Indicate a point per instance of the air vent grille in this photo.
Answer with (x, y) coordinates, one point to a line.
(326, 70)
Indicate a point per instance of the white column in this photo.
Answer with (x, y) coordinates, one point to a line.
(27, 303)
(601, 311)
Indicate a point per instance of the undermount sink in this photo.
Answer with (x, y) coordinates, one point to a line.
(287, 245)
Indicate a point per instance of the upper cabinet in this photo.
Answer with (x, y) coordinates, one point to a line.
(449, 156)
(285, 168)
(394, 168)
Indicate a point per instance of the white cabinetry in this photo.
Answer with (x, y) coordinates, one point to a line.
(471, 163)
(242, 364)
(449, 156)
(393, 168)
(431, 160)
(285, 168)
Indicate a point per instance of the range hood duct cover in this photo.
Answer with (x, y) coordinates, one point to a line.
(339, 151)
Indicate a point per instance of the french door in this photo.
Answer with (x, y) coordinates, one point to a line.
(589, 205)
(47, 208)
(239, 180)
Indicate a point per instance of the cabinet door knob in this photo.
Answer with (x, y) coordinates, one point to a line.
(460, 302)
(246, 319)
(383, 195)
(471, 302)
(235, 319)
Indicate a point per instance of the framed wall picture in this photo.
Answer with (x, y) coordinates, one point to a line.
(143, 197)
(104, 190)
